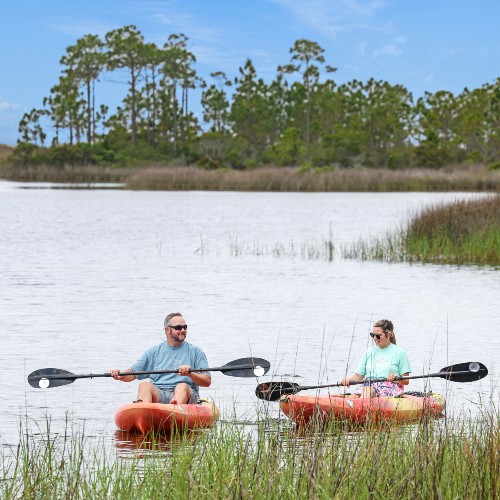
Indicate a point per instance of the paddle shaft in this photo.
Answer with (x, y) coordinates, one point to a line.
(96, 375)
(338, 384)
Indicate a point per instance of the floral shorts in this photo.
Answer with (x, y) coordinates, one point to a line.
(385, 388)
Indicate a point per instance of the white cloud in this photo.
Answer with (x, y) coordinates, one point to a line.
(353, 68)
(186, 23)
(209, 44)
(330, 18)
(362, 48)
(9, 106)
(391, 49)
(225, 60)
(81, 27)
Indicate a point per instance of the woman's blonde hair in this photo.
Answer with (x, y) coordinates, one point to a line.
(388, 328)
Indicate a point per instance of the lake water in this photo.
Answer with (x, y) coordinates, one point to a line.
(87, 277)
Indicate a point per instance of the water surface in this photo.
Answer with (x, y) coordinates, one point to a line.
(88, 276)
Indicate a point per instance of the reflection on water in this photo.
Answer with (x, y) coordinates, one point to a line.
(133, 445)
(347, 436)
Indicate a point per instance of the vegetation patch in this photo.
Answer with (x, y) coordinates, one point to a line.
(462, 232)
(308, 250)
(288, 179)
(300, 117)
(430, 459)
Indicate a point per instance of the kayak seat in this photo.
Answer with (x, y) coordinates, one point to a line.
(418, 394)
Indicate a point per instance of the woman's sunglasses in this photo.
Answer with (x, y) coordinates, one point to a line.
(377, 336)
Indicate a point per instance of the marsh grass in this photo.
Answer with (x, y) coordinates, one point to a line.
(388, 248)
(66, 174)
(182, 177)
(445, 460)
(461, 232)
(236, 246)
(288, 179)
(293, 179)
(280, 179)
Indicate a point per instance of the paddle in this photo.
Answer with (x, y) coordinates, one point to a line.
(461, 372)
(54, 377)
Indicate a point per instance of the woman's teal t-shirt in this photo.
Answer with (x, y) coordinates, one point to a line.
(379, 363)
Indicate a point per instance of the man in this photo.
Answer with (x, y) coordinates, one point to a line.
(174, 354)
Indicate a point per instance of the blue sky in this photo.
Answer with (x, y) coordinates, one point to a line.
(423, 45)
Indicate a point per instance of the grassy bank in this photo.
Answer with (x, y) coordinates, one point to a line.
(472, 178)
(68, 174)
(293, 179)
(429, 460)
(462, 232)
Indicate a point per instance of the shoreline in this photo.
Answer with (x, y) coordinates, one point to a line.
(474, 178)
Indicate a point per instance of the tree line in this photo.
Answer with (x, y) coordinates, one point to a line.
(299, 118)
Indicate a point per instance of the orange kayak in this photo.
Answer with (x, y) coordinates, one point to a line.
(146, 417)
(303, 409)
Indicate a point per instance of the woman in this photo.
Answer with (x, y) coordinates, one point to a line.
(384, 360)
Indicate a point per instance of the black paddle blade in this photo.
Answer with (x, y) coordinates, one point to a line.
(272, 391)
(248, 367)
(464, 372)
(46, 377)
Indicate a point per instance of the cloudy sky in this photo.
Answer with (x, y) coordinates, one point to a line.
(423, 45)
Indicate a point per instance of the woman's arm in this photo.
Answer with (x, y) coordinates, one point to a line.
(353, 378)
(404, 382)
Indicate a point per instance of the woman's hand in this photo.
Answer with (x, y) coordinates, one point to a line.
(391, 377)
(346, 381)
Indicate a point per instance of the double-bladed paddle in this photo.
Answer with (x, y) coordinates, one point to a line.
(461, 372)
(55, 377)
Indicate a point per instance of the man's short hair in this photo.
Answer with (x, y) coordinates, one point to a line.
(169, 317)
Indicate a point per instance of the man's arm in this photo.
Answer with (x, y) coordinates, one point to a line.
(124, 378)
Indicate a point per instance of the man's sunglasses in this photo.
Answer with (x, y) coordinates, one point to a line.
(377, 336)
(179, 327)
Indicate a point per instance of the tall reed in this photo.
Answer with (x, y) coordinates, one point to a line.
(462, 232)
(293, 179)
(308, 250)
(66, 174)
(473, 178)
(445, 460)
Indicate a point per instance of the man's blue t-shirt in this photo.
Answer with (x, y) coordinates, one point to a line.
(165, 357)
(378, 363)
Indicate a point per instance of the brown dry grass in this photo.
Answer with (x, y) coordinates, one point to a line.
(461, 232)
(180, 177)
(293, 179)
(68, 174)
(5, 151)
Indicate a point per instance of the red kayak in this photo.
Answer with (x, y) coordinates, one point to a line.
(303, 409)
(146, 417)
